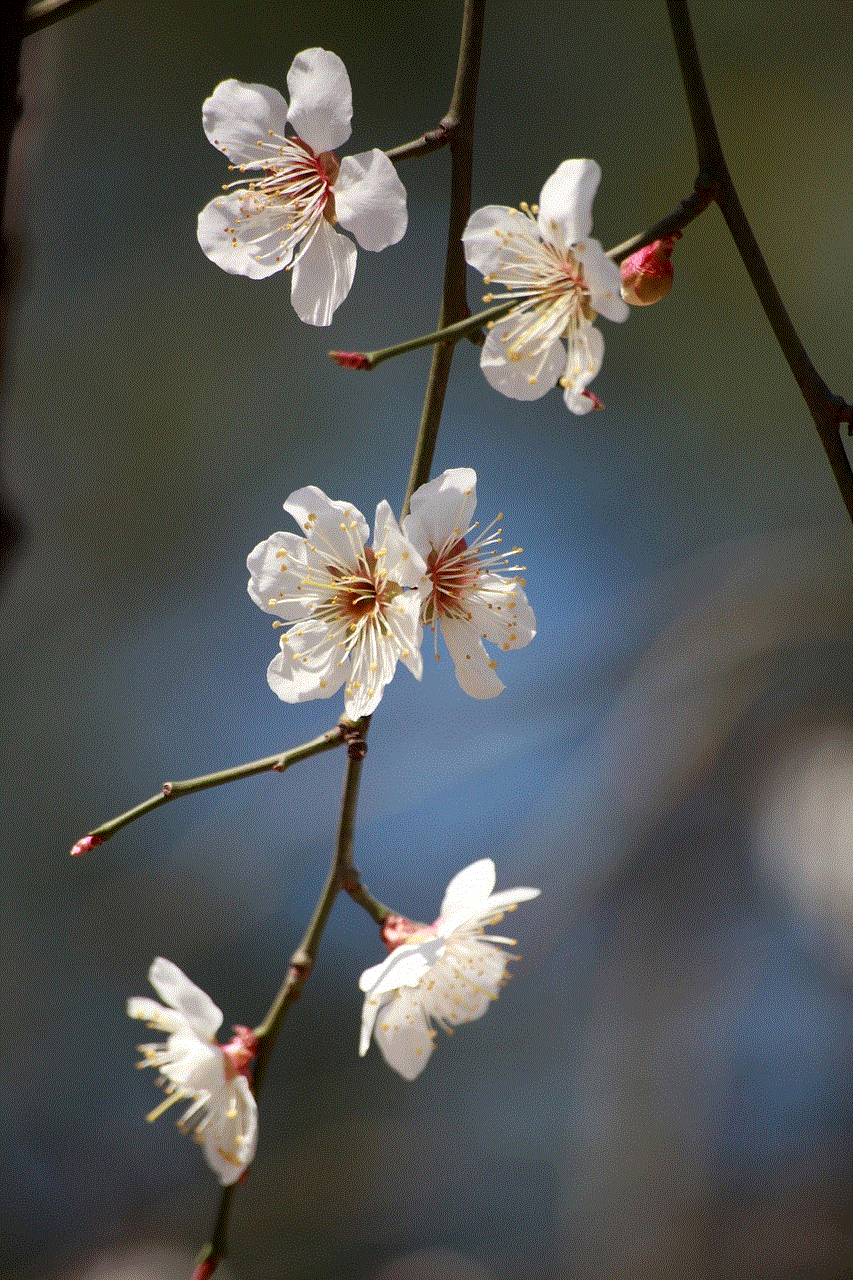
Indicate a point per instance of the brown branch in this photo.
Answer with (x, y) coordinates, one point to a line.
(828, 411)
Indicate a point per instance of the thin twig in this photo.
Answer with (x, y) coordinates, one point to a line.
(827, 410)
(172, 790)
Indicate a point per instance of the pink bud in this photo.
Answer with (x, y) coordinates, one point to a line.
(88, 842)
(350, 359)
(647, 274)
(206, 1268)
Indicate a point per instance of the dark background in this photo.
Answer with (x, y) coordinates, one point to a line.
(664, 1089)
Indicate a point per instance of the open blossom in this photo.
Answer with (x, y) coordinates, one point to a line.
(447, 972)
(285, 213)
(543, 257)
(222, 1114)
(351, 609)
(464, 592)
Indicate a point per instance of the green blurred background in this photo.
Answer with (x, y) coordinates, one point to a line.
(664, 1089)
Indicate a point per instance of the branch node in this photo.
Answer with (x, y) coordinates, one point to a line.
(168, 788)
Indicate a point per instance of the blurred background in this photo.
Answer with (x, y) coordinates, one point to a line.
(664, 1089)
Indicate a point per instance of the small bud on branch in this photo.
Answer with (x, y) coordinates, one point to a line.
(647, 274)
(87, 843)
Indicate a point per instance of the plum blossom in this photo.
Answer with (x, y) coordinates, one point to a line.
(544, 257)
(447, 972)
(463, 592)
(285, 214)
(352, 610)
(223, 1114)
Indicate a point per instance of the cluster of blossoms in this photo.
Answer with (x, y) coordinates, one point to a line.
(284, 217)
(447, 973)
(351, 610)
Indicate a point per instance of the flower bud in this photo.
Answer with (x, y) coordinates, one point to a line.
(350, 359)
(647, 274)
(85, 844)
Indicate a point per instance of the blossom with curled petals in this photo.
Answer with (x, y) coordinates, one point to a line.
(283, 212)
(351, 610)
(543, 256)
(447, 972)
(465, 594)
(223, 1114)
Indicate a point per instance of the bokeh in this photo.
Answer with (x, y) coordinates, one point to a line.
(664, 1088)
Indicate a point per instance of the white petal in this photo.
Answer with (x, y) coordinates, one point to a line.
(320, 99)
(369, 1012)
(565, 202)
(337, 526)
(442, 509)
(406, 611)
(175, 988)
(603, 281)
(372, 665)
(295, 677)
(403, 1035)
(403, 562)
(467, 983)
(485, 233)
(244, 236)
(469, 888)
(500, 612)
(198, 1067)
(513, 377)
(278, 565)
(156, 1014)
(370, 200)
(405, 967)
(238, 119)
(475, 670)
(323, 275)
(584, 362)
(230, 1136)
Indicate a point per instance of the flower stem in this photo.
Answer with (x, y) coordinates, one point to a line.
(828, 411)
(171, 790)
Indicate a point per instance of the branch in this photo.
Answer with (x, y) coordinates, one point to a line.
(454, 302)
(171, 790)
(828, 411)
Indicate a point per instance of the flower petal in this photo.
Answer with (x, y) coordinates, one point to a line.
(585, 357)
(230, 1135)
(370, 200)
(320, 99)
(603, 281)
(469, 888)
(500, 612)
(238, 119)
(308, 664)
(322, 275)
(404, 1036)
(336, 527)
(243, 235)
(156, 1015)
(486, 233)
(442, 509)
(565, 202)
(406, 615)
(278, 565)
(404, 967)
(403, 562)
(528, 378)
(175, 988)
(475, 670)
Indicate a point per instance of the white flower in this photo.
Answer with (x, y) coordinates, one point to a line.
(285, 215)
(447, 972)
(222, 1114)
(463, 593)
(543, 256)
(352, 615)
